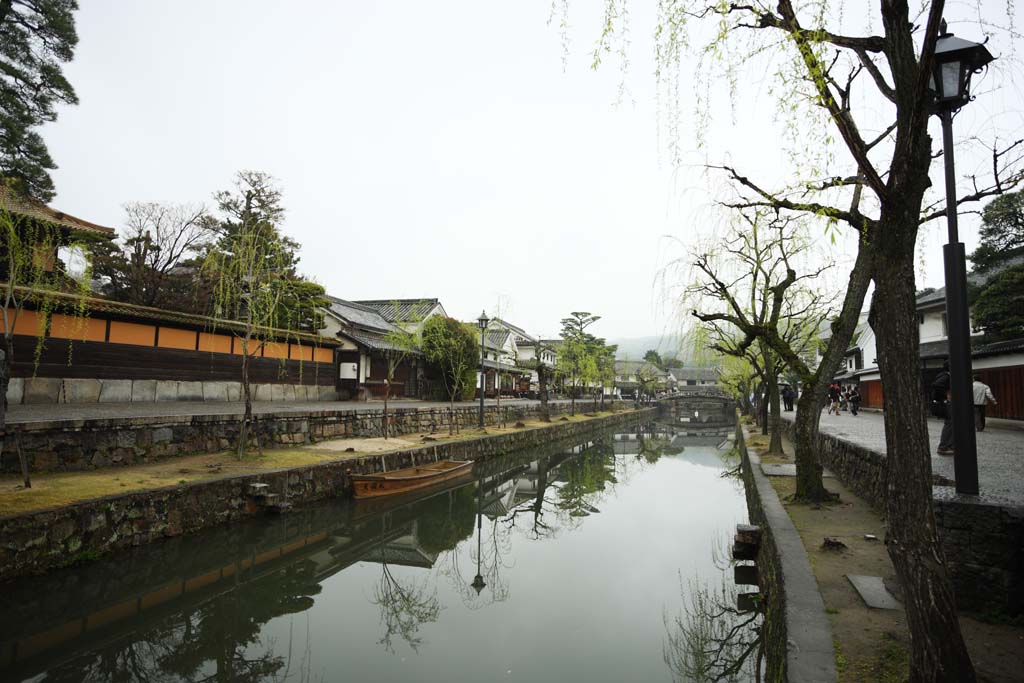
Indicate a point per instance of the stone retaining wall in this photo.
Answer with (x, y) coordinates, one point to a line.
(43, 540)
(36, 390)
(982, 536)
(64, 445)
(797, 635)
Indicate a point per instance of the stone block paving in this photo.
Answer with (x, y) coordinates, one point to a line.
(1000, 450)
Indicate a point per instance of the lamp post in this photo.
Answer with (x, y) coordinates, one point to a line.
(482, 322)
(955, 61)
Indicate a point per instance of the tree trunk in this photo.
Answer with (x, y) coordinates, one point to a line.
(384, 425)
(247, 392)
(542, 381)
(572, 398)
(6, 363)
(809, 484)
(938, 652)
(775, 419)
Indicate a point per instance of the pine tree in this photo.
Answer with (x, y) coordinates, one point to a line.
(36, 38)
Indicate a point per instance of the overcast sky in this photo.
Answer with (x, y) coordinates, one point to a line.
(425, 149)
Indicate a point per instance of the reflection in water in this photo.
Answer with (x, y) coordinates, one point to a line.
(588, 535)
(712, 639)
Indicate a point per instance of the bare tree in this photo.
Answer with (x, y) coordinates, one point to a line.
(156, 261)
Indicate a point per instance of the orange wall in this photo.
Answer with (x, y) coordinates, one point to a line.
(27, 323)
(95, 330)
(131, 333)
(78, 329)
(301, 352)
(217, 343)
(173, 338)
(275, 350)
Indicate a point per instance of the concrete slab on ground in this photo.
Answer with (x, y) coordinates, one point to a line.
(873, 592)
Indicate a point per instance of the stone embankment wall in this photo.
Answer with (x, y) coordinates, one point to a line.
(65, 445)
(797, 637)
(74, 390)
(983, 537)
(43, 540)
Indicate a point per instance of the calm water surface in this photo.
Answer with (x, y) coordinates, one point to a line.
(557, 565)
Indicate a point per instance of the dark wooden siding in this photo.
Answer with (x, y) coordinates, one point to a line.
(102, 360)
(871, 394)
(1007, 386)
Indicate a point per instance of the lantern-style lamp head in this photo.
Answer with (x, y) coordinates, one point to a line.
(956, 60)
(478, 583)
(483, 320)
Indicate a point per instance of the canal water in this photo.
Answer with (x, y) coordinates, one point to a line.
(577, 562)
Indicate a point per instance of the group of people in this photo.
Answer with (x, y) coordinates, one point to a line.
(842, 398)
(982, 396)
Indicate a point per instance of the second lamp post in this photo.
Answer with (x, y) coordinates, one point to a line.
(482, 322)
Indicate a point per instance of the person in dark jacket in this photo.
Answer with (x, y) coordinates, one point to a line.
(940, 408)
(854, 400)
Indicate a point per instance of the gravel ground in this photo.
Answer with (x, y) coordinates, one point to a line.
(1000, 450)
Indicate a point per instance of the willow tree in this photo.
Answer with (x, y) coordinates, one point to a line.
(858, 103)
(250, 267)
(400, 344)
(31, 278)
(758, 292)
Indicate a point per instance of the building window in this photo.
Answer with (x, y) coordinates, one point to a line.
(920, 318)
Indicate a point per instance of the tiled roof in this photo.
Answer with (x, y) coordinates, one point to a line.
(496, 338)
(359, 315)
(17, 203)
(705, 374)
(374, 342)
(519, 332)
(979, 347)
(401, 310)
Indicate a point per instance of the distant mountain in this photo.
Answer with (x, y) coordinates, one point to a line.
(634, 348)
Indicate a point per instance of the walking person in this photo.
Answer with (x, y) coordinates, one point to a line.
(940, 408)
(982, 397)
(854, 400)
(833, 398)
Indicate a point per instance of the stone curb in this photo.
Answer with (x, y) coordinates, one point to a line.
(810, 657)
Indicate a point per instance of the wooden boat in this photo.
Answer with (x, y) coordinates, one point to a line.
(408, 479)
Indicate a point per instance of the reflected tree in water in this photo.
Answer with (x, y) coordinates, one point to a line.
(711, 639)
(583, 480)
(404, 608)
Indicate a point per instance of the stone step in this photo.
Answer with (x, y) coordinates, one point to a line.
(745, 575)
(257, 489)
(744, 551)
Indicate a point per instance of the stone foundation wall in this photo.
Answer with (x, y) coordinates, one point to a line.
(769, 573)
(43, 540)
(982, 537)
(69, 445)
(35, 390)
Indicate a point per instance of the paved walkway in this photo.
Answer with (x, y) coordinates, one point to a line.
(1000, 449)
(89, 411)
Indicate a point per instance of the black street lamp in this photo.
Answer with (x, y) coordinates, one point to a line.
(482, 322)
(956, 60)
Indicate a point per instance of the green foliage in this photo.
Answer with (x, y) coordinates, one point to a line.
(451, 348)
(654, 358)
(253, 264)
(999, 308)
(1002, 231)
(36, 38)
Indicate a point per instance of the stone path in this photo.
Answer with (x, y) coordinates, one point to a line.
(1000, 450)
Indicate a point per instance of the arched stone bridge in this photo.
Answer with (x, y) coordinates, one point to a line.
(703, 406)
